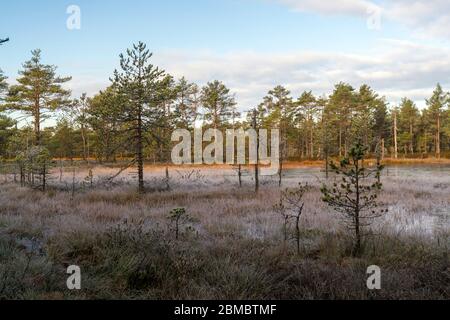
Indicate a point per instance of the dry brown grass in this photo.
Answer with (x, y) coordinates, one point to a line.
(125, 248)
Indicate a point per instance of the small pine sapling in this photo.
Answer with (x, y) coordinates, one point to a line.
(179, 217)
(356, 196)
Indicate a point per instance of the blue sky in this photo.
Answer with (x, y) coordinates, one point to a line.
(252, 45)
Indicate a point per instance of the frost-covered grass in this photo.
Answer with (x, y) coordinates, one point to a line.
(234, 248)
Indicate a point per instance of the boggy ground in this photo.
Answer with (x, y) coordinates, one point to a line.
(232, 246)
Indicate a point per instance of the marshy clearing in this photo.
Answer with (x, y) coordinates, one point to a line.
(230, 246)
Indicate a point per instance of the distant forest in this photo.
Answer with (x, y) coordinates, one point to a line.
(134, 117)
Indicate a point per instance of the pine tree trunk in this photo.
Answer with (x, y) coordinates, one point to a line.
(257, 153)
(411, 141)
(357, 247)
(167, 179)
(37, 124)
(438, 138)
(280, 172)
(395, 137)
(240, 175)
(425, 143)
(282, 152)
(139, 154)
(379, 155)
(83, 137)
(326, 149)
(88, 149)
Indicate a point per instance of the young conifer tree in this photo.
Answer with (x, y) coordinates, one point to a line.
(356, 196)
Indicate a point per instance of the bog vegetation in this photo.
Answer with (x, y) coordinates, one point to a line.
(71, 168)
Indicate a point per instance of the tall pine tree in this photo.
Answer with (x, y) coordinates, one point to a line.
(436, 107)
(307, 109)
(218, 103)
(186, 104)
(279, 108)
(341, 105)
(140, 85)
(408, 119)
(38, 92)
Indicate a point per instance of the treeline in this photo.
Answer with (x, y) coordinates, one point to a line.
(134, 117)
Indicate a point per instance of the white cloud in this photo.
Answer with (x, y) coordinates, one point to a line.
(396, 69)
(426, 18)
(86, 84)
(350, 7)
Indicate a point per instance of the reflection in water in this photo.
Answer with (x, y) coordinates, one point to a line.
(414, 171)
(389, 171)
(429, 212)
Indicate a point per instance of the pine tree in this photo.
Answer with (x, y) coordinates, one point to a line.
(186, 104)
(255, 124)
(341, 105)
(395, 131)
(217, 103)
(363, 116)
(326, 134)
(381, 127)
(79, 114)
(436, 107)
(39, 92)
(278, 108)
(6, 132)
(356, 195)
(307, 109)
(167, 96)
(64, 142)
(3, 87)
(103, 117)
(5, 122)
(140, 86)
(408, 119)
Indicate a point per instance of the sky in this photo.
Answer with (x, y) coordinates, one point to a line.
(401, 48)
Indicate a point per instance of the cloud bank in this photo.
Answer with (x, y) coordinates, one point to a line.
(397, 69)
(427, 18)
